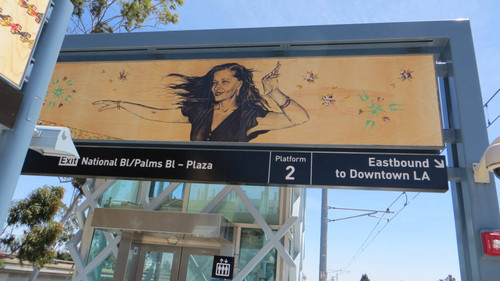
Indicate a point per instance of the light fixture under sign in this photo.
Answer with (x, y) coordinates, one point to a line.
(53, 141)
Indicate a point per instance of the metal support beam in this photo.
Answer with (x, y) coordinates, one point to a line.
(161, 197)
(14, 143)
(274, 242)
(476, 205)
(265, 227)
(121, 258)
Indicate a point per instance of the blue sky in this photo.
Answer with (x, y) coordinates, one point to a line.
(420, 242)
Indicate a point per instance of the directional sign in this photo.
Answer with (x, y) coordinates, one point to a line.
(199, 165)
(416, 172)
(380, 170)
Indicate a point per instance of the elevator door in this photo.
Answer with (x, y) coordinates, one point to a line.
(166, 263)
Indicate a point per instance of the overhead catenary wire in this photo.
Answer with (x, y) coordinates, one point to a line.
(361, 248)
(372, 235)
(369, 213)
(487, 111)
(369, 239)
(486, 104)
(364, 244)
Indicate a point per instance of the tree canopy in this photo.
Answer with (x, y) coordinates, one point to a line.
(364, 277)
(448, 278)
(109, 16)
(35, 215)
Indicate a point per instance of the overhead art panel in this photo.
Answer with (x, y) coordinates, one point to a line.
(20, 25)
(314, 101)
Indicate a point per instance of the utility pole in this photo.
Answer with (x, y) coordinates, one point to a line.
(324, 235)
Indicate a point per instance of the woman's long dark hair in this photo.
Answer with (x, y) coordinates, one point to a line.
(198, 89)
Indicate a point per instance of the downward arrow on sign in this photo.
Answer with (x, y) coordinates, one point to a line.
(439, 163)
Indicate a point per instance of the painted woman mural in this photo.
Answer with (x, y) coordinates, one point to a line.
(325, 101)
(222, 105)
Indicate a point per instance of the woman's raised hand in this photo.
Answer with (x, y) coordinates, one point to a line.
(107, 104)
(270, 80)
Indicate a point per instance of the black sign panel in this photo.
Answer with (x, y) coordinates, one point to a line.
(426, 172)
(223, 166)
(416, 172)
(223, 267)
(290, 168)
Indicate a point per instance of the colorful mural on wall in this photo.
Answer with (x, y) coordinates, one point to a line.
(331, 101)
(20, 24)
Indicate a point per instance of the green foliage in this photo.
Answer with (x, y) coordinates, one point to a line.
(108, 16)
(36, 215)
(70, 225)
(78, 183)
(40, 206)
(364, 277)
(65, 256)
(35, 245)
(1, 263)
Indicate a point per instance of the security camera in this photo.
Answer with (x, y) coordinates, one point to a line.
(53, 141)
(489, 162)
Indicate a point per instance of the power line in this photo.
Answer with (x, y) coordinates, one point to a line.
(486, 104)
(369, 213)
(364, 245)
(369, 239)
(487, 111)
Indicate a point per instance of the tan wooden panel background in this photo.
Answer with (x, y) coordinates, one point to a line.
(18, 19)
(366, 100)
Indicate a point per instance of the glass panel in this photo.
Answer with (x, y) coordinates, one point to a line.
(201, 194)
(130, 266)
(122, 194)
(233, 209)
(104, 271)
(99, 242)
(156, 187)
(157, 266)
(265, 199)
(252, 240)
(294, 195)
(173, 202)
(199, 268)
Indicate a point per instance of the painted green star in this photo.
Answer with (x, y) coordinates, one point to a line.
(58, 92)
(375, 109)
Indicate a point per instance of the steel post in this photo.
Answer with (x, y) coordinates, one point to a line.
(324, 235)
(14, 143)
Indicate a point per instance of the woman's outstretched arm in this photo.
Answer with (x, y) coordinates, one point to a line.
(291, 113)
(166, 115)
